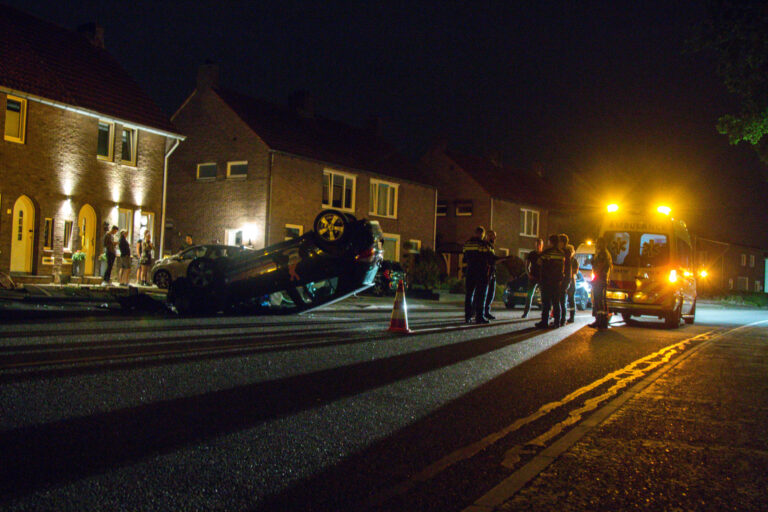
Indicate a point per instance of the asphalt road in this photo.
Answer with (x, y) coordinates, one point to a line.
(324, 411)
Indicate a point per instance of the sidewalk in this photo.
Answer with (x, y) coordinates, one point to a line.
(694, 439)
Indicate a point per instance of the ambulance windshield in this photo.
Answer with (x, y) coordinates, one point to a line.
(637, 249)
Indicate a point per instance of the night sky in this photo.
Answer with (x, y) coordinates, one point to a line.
(600, 95)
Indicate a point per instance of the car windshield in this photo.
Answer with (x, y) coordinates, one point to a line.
(585, 260)
(638, 249)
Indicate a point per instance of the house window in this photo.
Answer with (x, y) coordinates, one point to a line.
(15, 119)
(106, 137)
(502, 251)
(758, 286)
(146, 223)
(752, 260)
(129, 146)
(125, 221)
(339, 190)
(743, 260)
(390, 245)
(413, 246)
(293, 231)
(383, 199)
(442, 209)
(730, 283)
(68, 235)
(464, 209)
(207, 171)
(237, 169)
(523, 253)
(48, 234)
(742, 283)
(529, 222)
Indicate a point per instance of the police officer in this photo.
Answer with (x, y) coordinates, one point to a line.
(532, 269)
(573, 268)
(551, 265)
(562, 243)
(476, 259)
(602, 263)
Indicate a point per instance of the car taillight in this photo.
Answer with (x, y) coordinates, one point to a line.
(387, 274)
(367, 253)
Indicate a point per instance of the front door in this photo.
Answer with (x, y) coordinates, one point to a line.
(86, 222)
(22, 235)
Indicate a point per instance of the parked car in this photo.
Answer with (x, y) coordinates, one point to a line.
(339, 257)
(167, 270)
(388, 278)
(517, 290)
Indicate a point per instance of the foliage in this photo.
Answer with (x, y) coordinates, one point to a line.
(78, 256)
(426, 269)
(103, 257)
(454, 285)
(736, 31)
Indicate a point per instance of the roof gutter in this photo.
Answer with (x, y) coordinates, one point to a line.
(91, 113)
(165, 190)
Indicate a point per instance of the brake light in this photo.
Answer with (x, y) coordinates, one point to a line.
(387, 274)
(367, 253)
(672, 276)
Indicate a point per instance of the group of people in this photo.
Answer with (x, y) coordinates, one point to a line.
(551, 270)
(480, 259)
(145, 250)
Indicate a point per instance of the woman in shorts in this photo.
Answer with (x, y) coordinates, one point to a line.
(125, 259)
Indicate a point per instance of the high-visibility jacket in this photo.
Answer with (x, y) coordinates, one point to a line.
(551, 266)
(476, 256)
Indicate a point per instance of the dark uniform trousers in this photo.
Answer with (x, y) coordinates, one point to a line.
(571, 300)
(490, 295)
(474, 299)
(550, 299)
(599, 302)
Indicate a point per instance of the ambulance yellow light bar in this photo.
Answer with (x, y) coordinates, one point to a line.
(703, 273)
(613, 207)
(666, 210)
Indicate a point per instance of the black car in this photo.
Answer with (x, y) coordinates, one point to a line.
(517, 290)
(338, 258)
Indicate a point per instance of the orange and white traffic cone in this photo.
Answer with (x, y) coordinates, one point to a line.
(399, 320)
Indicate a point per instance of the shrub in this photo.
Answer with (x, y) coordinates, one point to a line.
(78, 256)
(426, 269)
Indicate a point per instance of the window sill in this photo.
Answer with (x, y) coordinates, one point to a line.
(529, 236)
(463, 214)
(347, 210)
(127, 163)
(237, 177)
(105, 158)
(13, 139)
(393, 217)
(205, 179)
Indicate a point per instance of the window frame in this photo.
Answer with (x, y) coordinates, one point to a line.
(524, 217)
(21, 139)
(396, 238)
(236, 176)
(743, 260)
(110, 141)
(345, 175)
(742, 279)
(503, 250)
(523, 253)
(129, 218)
(441, 205)
(48, 233)
(134, 146)
(414, 246)
(299, 227)
(207, 178)
(67, 238)
(751, 261)
(758, 285)
(460, 204)
(374, 199)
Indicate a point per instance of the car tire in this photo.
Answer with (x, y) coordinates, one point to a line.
(331, 229)
(203, 273)
(626, 317)
(162, 279)
(672, 318)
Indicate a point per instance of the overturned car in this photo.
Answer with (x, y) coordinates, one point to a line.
(338, 258)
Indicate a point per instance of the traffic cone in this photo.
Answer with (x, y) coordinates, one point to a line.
(399, 320)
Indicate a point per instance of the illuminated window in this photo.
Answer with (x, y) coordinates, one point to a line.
(742, 284)
(106, 141)
(237, 169)
(146, 223)
(390, 244)
(383, 199)
(529, 222)
(68, 234)
(293, 231)
(464, 209)
(339, 190)
(752, 260)
(442, 209)
(125, 221)
(48, 234)
(15, 119)
(207, 171)
(129, 146)
(743, 260)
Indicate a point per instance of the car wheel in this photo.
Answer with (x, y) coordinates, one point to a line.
(202, 273)
(331, 228)
(626, 317)
(162, 279)
(672, 318)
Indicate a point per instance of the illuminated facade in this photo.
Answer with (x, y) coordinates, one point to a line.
(254, 173)
(83, 148)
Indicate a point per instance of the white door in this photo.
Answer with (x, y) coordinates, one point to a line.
(22, 235)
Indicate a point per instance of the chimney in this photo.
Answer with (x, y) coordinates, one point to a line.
(93, 32)
(302, 103)
(207, 76)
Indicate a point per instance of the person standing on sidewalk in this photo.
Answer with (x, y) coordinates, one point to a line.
(125, 259)
(602, 263)
(110, 252)
(573, 268)
(490, 293)
(475, 258)
(531, 268)
(551, 265)
(562, 243)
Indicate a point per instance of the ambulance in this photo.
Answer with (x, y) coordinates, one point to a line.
(652, 265)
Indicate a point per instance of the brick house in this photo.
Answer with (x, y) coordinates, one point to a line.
(83, 147)
(254, 173)
(478, 191)
(729, 266)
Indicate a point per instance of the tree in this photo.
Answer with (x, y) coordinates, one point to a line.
(737, 32)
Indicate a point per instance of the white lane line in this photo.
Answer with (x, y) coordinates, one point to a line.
(633, 370)
(517, 480)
